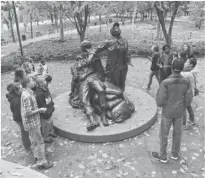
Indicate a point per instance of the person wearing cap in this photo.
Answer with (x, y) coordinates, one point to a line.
(87, 80)
(44, 99)
(118, 58)
(173, 95)
(165, 63)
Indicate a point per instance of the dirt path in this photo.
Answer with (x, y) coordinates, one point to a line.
(129, 158)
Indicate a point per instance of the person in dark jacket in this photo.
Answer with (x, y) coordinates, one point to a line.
(174, 95)
(45, 100)
(165, 63)
(14, 97)
(155, 65)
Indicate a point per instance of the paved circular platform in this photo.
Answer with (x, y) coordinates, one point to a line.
(71, 123)
(12, 170)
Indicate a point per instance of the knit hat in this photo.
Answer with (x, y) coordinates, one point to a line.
(178, 64)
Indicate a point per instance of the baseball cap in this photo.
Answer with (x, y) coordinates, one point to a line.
(178, 64)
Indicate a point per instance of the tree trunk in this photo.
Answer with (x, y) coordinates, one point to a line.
(158, 31)
(31, 23)
(56, 20)
(100, 20)
(37, 22)
(89, 18)
(25, 27)
(11, 25)
(151, 15)
(62, 38)
(133, 18)
(82, 36)
(123, 20)
(17, 28)
(51, 18)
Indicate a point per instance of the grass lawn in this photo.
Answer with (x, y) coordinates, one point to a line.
(140, 42)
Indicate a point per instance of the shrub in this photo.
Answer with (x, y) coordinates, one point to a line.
(54, 50)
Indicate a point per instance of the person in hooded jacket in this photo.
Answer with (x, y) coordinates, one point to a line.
(14, 98)
(45, 100)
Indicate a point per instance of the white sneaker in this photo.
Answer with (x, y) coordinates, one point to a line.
(175, 157)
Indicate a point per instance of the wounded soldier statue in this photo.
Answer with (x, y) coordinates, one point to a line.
(92, 92)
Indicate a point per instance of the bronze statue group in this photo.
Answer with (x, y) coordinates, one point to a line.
(99, 91)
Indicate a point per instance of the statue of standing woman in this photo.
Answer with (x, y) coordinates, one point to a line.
(118, 59)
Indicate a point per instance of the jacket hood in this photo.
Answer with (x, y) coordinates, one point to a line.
(10, 96)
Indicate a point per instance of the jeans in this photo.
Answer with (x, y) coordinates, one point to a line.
(176, 137)
(152, 74)
(191, 115)
(24, 136)
(47, 127)
(37, 145)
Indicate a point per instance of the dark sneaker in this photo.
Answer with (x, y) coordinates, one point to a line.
(46, 165)
(174, 157)
(185, 127)
(54, 135)
(48, 140)
(192, 123)
(159, 158)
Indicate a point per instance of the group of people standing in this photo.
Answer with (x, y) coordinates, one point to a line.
(32, 107)
(176, 75)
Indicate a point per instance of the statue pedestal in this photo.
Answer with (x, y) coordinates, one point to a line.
(71, 123)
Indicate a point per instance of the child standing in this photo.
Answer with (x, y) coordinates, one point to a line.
(31, 122)
(45, 100)
(190, 71)
(14, 97)
(155, 66)
(42, 68)
(174, 95)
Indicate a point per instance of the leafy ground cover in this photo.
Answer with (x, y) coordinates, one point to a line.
(130, 158)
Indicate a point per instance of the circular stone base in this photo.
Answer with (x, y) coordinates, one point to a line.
(71, 123)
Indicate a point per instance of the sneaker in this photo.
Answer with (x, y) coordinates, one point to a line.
(52, 134)
(46, 165)
(192, 123)
(185, 127)
(174, 157)
(159, 158)
(48, 140)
